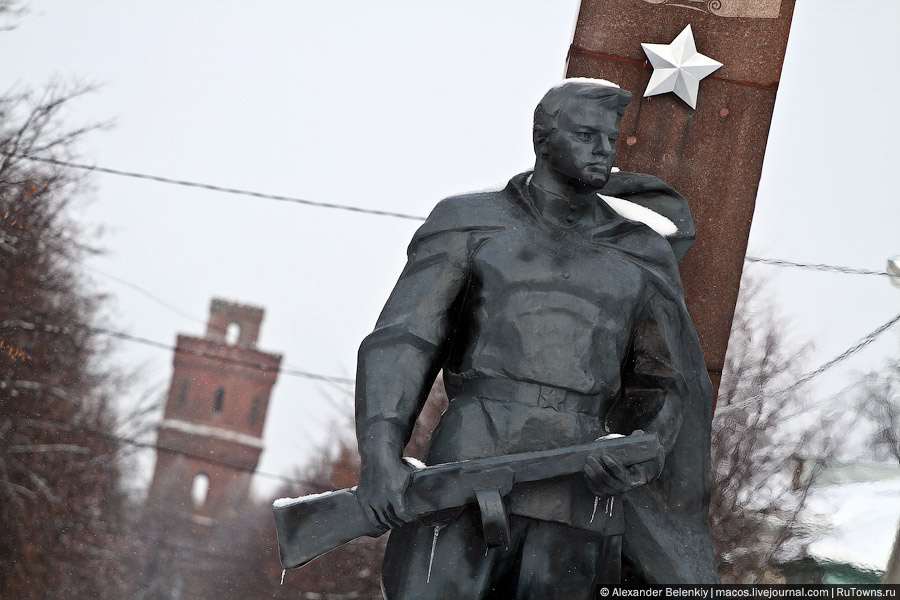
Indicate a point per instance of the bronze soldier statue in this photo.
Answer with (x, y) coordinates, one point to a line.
(555, 309)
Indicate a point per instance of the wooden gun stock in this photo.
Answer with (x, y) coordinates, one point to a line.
(310, 526)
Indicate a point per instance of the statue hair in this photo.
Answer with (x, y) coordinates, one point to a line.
(547, 111)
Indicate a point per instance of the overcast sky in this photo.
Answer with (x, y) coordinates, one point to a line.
(393, 105)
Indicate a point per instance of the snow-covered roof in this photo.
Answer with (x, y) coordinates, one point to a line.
(860, 503)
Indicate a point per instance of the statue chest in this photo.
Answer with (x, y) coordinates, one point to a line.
(556, 267)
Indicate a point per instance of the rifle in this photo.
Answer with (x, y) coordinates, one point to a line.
(310, 526)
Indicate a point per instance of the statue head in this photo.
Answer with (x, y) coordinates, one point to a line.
(576, 125)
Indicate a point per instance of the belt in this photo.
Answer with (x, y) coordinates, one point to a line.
(533, 394)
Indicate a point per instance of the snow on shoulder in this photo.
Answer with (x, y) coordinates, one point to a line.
(415, 463)
(635, 212)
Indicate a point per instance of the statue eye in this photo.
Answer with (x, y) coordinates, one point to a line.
(584, 136)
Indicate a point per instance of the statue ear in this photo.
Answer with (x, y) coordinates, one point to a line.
(539, 137)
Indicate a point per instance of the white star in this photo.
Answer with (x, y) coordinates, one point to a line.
(678, 67)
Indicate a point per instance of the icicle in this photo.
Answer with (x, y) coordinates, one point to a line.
(283, 571)
(437, 531)
(594, 512)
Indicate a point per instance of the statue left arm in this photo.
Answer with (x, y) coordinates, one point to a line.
(653, 385)
(653, 391)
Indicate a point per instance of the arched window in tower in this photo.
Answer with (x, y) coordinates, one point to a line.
(255, 407)
(183, 389)
(232, 333)
(219, 401)
(200, 489)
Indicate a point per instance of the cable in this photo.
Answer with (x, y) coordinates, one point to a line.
(336, 382)
(383, 213)
(862, 343)
(814, 266)
(233, 361)
(216, 188)
(52, 328)
(139, 444)
(138, 288)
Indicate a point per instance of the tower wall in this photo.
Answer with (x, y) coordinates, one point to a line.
(211, 432)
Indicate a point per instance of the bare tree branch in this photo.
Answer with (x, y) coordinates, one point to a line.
(756, 515)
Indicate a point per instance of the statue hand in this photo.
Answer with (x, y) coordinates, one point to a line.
(607, 476)
(381, 492)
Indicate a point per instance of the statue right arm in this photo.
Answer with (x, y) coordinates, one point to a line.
(399, 360)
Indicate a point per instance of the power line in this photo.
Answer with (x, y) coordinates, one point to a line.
(343, 380)
(52, 328)
(143, 291)
(806, 377)
(777, 262)
(862, 343)
(233, 361)
(166, 450)
(335, 381)
(65, 253)
(216, 188)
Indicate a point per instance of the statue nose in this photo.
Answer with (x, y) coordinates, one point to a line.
(603, 146)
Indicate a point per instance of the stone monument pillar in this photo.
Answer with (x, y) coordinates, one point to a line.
(712, 154)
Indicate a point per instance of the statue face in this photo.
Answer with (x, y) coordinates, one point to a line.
(582, 147)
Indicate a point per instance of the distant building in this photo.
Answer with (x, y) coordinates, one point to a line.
(210, 440)
(858, 508)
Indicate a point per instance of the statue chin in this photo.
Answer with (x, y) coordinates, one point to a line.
(599, 181)
(594, 176)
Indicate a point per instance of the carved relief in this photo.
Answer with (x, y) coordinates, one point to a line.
(754, 9)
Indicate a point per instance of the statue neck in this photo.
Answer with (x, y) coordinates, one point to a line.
(566, 202)
(556, 184)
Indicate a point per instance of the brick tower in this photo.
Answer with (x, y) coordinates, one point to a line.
(210, 438)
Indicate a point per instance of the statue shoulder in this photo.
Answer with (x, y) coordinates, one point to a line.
(472, 212)
(654, 194)
(636, 182)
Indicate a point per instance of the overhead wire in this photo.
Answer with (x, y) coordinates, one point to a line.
(141, 290)
(165, 449)
(806, 377)
(777, 262)
(384, 213)
(862, 343)
(339, 380)
(358, 209)
(216, 188)
(172, 308)
(55, 328)
(233, 361)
